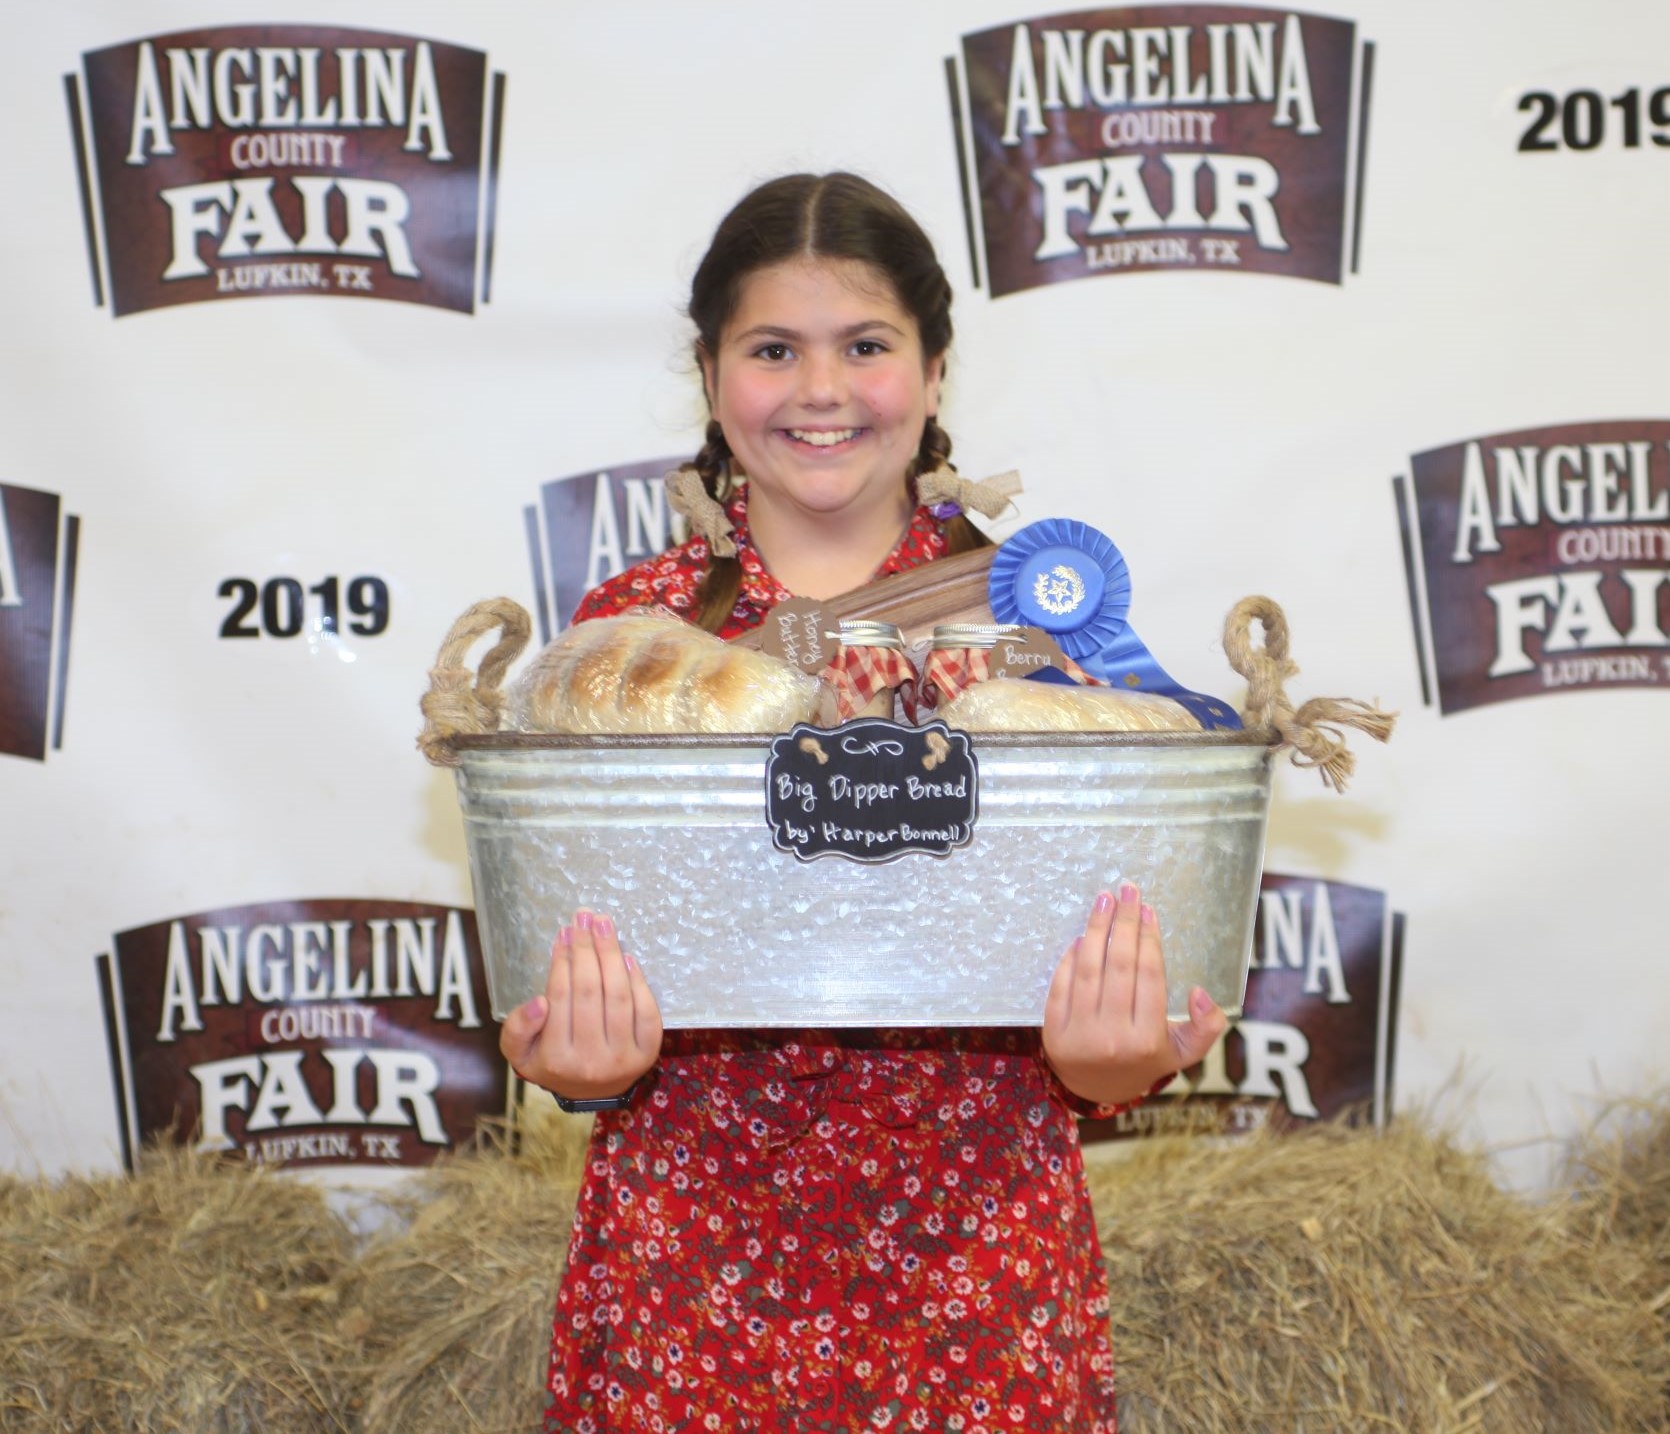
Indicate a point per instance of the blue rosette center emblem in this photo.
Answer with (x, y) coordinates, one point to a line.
(1066, 578)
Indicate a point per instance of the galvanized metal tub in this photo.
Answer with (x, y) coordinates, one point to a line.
(668, 835)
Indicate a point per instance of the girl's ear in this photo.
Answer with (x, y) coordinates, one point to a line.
(705, 359)
(932, 374)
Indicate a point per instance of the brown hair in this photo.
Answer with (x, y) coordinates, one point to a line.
(827, 216)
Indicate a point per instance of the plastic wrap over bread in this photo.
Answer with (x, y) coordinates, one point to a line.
(654, 673)
(1010, 704)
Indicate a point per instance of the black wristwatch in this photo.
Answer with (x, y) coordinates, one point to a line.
(603, 1102)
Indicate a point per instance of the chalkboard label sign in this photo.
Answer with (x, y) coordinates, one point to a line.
(871, 790)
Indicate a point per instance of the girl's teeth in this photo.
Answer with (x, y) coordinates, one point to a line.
(823, 440)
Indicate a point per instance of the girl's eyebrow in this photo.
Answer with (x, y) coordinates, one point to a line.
(851, 331)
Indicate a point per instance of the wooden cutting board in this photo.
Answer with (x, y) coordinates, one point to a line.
(949, 590)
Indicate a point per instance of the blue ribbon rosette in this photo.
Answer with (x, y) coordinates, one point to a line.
(1070, 580)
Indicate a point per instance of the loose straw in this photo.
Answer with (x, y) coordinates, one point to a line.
(1312, 730)
(460, 701)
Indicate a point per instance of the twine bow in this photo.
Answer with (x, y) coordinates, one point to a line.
(1313, 729)
(988, 496)
(458, 700)
(706, 515)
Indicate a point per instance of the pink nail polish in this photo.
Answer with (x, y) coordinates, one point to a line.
(582, 920)
(630, 959)
(603, 926)
(1127, 894)
(1104, 903)
(1148, 917)
(566, 936)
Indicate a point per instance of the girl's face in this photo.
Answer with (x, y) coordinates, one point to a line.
(821, 387)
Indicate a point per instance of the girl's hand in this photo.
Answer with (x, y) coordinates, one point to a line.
(596, 1029)
(1105, 1029)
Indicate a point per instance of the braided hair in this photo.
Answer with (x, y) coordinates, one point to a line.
(828, 216)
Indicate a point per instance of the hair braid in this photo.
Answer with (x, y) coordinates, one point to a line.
(961, 536)
(722, 584)
(712, 462)
(933, 452)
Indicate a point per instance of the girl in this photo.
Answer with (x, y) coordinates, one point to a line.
(832, 1230)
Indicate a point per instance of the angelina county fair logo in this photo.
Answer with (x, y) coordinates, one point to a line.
(1319, 1030)
(304, 1032)
(590, 526)
(38, 543)
(1539, 561)
(1162, 137)
(287, 159)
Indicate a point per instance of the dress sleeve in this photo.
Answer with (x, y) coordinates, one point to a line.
(668, 580)
(1089, 1109)
(605, 600)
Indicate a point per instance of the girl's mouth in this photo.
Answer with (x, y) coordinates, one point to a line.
(822, 437)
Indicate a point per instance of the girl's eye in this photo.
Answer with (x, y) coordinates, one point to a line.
(776, 353)
(869, 348)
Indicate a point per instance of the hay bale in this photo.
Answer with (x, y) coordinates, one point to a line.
(1619, 1174)
(454, 1310)
(192, 1296)
(1343, 1280)
(1620, 1169)
(1337, 1280)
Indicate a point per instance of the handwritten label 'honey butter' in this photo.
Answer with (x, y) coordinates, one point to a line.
(797, 631)
(871, 790)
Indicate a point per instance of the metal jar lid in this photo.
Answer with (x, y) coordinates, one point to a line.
(973, 634)
(865, 632)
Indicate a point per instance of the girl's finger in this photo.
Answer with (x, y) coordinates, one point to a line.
(587, 981)
(1058, 1002)
(616, 985)
(1101, 918)
(1119, 985)
(1090, 956)
(521, 1031)
(559, 984)
(1205, 1028)
(1148, 1003)
(646, 1011)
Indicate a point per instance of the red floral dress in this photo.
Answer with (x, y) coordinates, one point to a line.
(798, 1231)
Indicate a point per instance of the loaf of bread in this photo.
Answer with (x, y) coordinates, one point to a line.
(646, 672)
(1012, 704)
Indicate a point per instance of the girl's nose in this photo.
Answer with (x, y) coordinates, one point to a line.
(822, 380)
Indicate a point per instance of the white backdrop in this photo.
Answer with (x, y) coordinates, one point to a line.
(1234, 433)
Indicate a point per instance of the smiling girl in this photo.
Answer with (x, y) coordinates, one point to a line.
(832, 1230)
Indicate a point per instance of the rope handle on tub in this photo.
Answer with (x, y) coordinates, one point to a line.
(1313, 729)
(460, 701)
